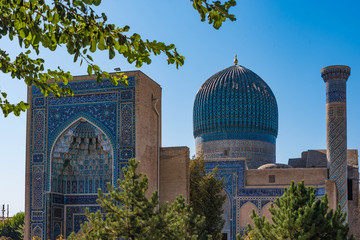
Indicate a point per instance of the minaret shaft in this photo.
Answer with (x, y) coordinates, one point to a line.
(335, 78)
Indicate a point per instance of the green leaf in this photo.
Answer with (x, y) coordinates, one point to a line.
(111, 53)
(101, 45)
(93, 45)
(89, 70)
(97, 3)
(90, 58)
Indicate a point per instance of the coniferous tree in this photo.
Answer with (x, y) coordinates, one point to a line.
(129, 214)
(207, 198)
(299, 215)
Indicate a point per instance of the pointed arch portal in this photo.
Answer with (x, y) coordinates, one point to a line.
(81, 160)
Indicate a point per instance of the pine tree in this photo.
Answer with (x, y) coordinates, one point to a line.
(299, 215)
(129, 214)
(207, 198)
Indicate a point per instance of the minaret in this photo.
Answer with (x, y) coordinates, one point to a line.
(335, 78)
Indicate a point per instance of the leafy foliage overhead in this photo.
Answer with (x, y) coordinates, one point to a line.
(75, 25)
(216, 12)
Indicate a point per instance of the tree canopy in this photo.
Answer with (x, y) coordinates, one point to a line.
(74, 24)
(13, 228)
(129, 214)
(299, 215)
(207, 198)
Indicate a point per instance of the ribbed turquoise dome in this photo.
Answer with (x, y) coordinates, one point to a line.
(236, 103)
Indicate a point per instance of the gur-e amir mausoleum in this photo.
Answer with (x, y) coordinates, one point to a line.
(76, 145)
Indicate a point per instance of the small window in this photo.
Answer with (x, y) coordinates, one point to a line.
(271, 178)
(224, 236)
(350, 189)
(226, 153)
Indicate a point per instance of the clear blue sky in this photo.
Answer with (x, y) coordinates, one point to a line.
(285, 42)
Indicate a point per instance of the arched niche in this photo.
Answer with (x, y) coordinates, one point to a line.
(81, 160)
(245, 213)
(36, 232)
(227, 216)
(265, 212)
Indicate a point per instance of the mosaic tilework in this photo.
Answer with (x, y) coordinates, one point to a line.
(337, 146)
(39, 118)
(103, 112)
(84, 86)
(37, 216)
(336, 91)
(38, 158)
(84, 98)
(53, 124)
(80, 199)
(39, 102)
(258, 153)
(335, 78)
(235, 98)
(37, 187)
(126, 124)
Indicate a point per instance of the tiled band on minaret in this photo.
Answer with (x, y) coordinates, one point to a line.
(335, 78)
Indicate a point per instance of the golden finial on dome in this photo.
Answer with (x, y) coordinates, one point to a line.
(235, 60)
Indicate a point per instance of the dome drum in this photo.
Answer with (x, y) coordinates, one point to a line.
(257, 153)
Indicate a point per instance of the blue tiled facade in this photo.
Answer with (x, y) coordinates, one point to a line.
(233, 173)
(63, 176)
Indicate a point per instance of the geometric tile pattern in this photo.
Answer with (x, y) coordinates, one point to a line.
(337, 146)
(59, 177)
(38, 130)
(37, 187)
(335, 78)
